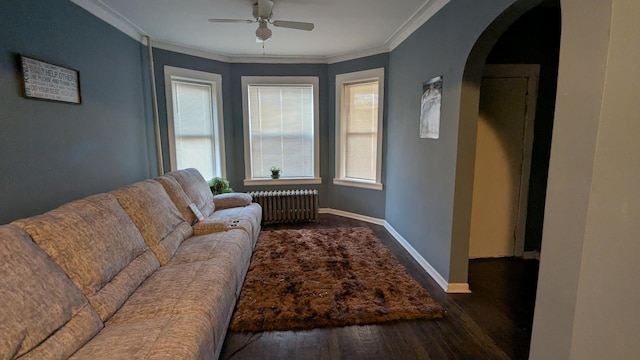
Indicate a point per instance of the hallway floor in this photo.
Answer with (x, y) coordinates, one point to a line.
(493, 322)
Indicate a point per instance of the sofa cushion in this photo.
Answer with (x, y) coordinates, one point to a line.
(231, 248)
(178, 196)
(206, 288)
(43, 316)
(231, 200)
(155, 215)
(182, 336)
(97, 245)
(233, 244)
(196, 188)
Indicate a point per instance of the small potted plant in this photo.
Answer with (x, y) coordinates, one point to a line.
(219, 185)
(275, 172)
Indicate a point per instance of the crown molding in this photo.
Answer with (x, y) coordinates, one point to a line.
(421, 16)
(266, 59)
(357, 55)
(189, 51)
(251, 59)
(240, 59)
(112, 17)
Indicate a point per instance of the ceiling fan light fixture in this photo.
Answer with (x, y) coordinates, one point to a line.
(263, 32)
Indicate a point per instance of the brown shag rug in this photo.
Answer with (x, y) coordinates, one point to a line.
(305, 279)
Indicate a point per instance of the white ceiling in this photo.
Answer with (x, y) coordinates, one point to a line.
(343, 28)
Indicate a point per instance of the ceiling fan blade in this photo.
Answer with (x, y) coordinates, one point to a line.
(264, 8)
(294, 25)
(237, 21)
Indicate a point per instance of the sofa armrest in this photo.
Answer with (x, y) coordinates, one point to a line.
(231, 200)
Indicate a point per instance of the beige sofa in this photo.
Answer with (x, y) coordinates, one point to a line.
(124, 275)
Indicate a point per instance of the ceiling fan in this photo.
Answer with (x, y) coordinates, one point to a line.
(262, 13)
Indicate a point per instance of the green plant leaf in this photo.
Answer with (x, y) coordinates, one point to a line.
(219, 185)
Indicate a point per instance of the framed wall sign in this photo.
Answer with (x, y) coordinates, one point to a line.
(430, 108)
(42, 80)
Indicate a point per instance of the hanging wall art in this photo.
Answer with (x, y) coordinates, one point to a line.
(430, 108)
(47, 81)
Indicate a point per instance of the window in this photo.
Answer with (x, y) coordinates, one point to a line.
(281, 129)
(194, 114)
(359, 109)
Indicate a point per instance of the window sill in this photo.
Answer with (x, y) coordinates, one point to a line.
(282, 181)
(358, 183)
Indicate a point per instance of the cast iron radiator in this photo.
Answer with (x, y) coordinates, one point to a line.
(287, 206)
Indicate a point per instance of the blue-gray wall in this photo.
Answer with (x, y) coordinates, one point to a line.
(421, 173)
(52, 152)
(360, 201)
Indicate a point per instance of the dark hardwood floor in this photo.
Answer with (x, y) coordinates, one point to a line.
(493, 322)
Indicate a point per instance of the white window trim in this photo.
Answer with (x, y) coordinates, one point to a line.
(281, 80)
(350, 78)
(215, 80)
(285, 181)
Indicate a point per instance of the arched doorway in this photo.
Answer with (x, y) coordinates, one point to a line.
(469, 111)
(516, 37)
(526, 44)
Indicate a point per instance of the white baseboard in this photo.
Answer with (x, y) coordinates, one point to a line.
(458, 288)
(452, 288)
(528, 255)
(351, 215)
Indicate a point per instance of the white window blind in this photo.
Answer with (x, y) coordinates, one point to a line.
(195, 121)
(281, 121)
(193, 128)
(361, 130)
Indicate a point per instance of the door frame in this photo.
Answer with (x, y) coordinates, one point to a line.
(532, 73)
